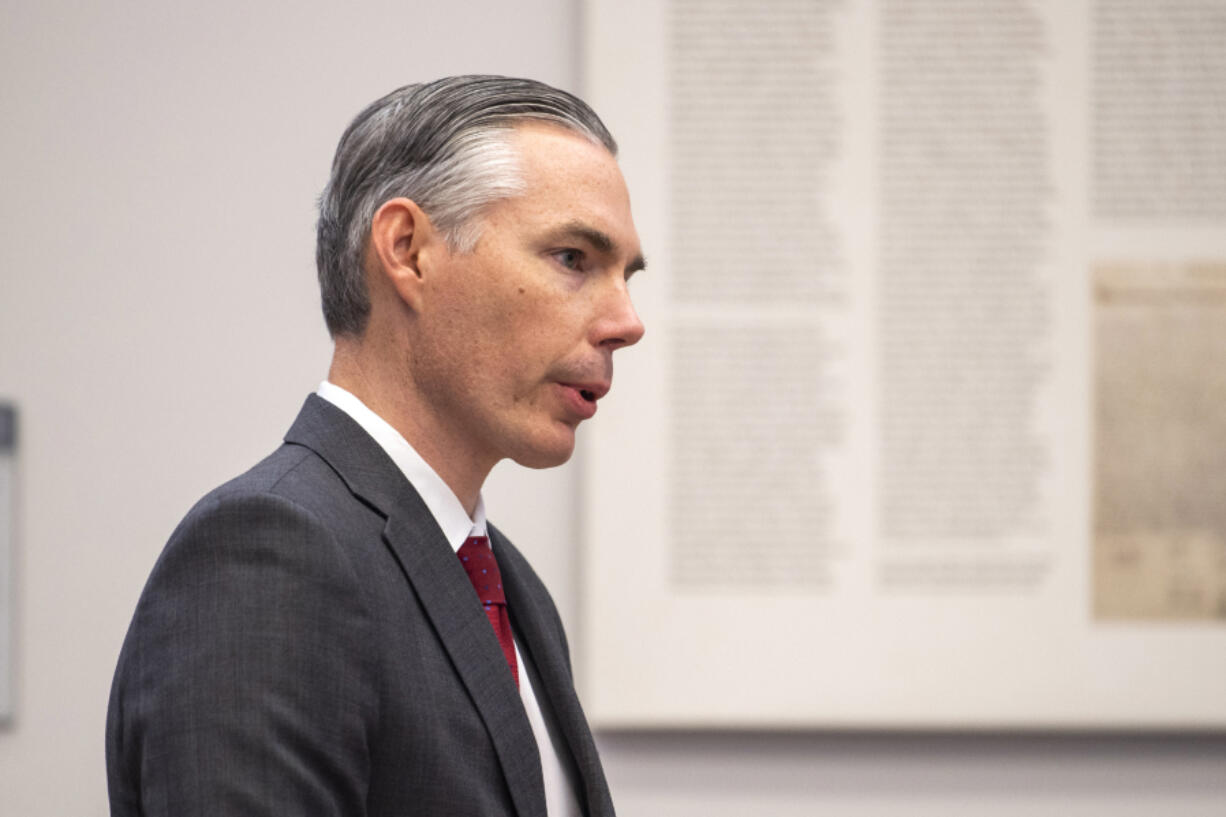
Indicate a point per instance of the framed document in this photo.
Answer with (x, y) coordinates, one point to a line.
(928, 429)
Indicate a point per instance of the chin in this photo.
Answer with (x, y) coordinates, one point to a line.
(546, 453)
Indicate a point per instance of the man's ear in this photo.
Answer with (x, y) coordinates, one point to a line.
(403, 246)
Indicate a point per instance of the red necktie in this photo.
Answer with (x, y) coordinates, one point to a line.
(482, 570)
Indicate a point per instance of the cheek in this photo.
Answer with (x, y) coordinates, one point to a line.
(512, 327)
(530, 321)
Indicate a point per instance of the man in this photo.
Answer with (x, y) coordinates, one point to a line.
(309, 641)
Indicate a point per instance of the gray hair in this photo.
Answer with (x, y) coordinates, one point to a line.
(445, 145)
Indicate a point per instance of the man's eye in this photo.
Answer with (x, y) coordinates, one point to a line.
(571, 259)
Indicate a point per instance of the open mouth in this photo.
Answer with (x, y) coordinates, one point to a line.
(583, 396)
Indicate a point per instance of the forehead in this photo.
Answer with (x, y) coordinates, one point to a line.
(567, 178)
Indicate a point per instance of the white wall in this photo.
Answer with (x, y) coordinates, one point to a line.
(159, 320)
(159, 327)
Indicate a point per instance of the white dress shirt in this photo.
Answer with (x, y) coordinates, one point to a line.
(445, 506)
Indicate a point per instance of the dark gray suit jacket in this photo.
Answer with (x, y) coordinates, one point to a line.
(308, 643)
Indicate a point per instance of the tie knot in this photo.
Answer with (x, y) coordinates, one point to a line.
(482, 569)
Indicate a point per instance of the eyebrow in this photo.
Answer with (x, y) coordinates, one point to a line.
(601, 242)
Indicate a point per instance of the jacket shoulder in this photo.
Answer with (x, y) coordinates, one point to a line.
(251, 624)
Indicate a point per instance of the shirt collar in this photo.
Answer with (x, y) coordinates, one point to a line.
(441, 501)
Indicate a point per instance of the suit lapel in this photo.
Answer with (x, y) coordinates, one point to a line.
(541, 639)
(448, 598)
(438, 579)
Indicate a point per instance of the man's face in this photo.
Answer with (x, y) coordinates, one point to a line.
(518, 335)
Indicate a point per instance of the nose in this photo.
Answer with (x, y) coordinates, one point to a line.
(618, 324)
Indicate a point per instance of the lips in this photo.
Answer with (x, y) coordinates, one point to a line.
(590, 391)
(581, 398)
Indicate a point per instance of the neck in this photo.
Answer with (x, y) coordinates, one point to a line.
(363, 372)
